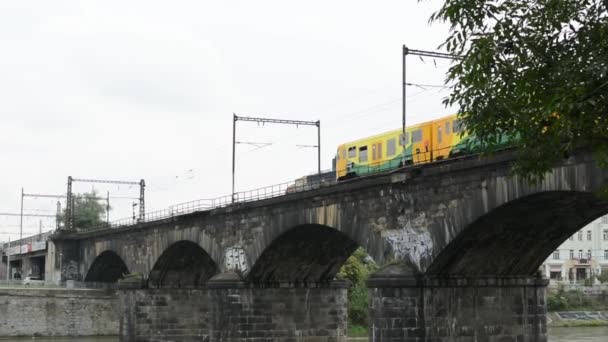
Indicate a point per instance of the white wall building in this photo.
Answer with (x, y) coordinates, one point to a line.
(583, 255)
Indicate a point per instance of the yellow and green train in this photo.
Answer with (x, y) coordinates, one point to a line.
(423, 143)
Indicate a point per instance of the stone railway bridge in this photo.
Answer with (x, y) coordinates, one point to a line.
(462, 241)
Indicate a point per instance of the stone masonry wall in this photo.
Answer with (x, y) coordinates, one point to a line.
(58, 312)
(234, 314)
(491, 309)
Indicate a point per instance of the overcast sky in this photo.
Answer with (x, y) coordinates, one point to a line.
(124, 90)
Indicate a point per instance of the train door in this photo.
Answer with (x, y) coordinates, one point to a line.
(376, 154)
(421, 144)
(441, 138)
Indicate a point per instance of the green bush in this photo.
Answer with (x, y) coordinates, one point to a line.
(603, 278)
(557, 303)
(357, 269)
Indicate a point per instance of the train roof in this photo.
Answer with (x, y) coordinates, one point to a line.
(396, 130)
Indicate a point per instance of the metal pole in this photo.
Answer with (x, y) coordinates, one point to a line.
(60, 262)
(68, 206)
(404, 87)
(108, 208)
(319, 146)
(8, 260)
(142, 199)
(234, 120)
(21, 223)
(58, 218)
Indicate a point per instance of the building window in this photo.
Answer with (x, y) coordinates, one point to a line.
(580, 253)
(580, 236)
(572, 238)
(571, 254)
(363, 153)
(352, 152)
(605, 234)
(606, 254)
(556, 255)
(589, 254)
(588, 235)
(417, 136)
(391, 147)
(605, 219)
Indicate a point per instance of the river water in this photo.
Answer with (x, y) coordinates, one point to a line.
(586, 334)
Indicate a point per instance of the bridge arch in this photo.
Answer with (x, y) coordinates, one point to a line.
(517, 237)
(107, 267)
(183, 264)
(304, 254)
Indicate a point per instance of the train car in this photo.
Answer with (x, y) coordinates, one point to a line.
(449, 138)
(422, 143)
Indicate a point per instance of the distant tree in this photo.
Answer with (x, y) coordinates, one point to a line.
(535, 69)
(89, 212)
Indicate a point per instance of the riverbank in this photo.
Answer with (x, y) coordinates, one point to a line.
(577, 319)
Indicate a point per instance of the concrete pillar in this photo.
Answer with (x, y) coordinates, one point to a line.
(26, 266)
(407, 307)
(228, 309)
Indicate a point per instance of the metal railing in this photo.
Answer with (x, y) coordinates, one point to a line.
(288, 188)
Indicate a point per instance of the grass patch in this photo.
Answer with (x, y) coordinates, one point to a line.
(355, 330)
(575, 323)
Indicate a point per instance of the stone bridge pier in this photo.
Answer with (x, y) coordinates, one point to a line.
(460, 243)
(231, 310)
(418, 308)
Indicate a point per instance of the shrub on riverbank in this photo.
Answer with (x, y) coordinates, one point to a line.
(576, 300)
(357, 269)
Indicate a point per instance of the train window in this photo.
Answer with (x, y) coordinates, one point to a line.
(391, 147)
(363, 153)
(379, 151)
(374, 156)
(402, 140)
(352, 152)
(457, 126)
(439, 135)
(417, 136)
(447, 127)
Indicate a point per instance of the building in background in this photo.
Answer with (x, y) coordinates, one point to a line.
(27, 257)
(583, 256)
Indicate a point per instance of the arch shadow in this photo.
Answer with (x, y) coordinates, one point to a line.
(304, 254)
(182, 264)
(517, 237)
(108, 267)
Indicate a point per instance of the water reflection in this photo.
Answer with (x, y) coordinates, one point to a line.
(61, 339)
(586, 334)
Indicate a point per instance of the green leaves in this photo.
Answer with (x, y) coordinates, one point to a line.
(88, 211)
(535, 69)
(357, 269)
